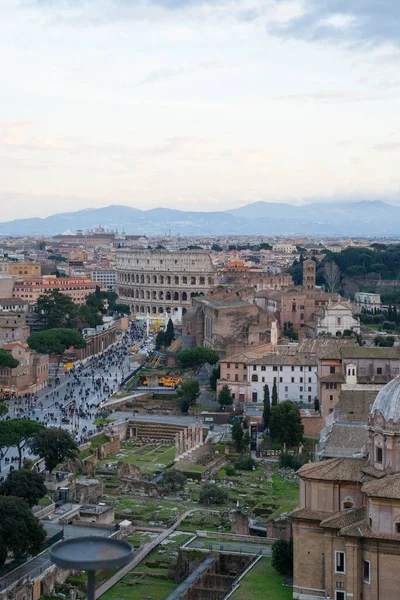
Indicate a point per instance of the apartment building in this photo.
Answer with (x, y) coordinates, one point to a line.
(31, 288)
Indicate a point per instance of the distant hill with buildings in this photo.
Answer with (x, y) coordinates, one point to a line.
(364, 218)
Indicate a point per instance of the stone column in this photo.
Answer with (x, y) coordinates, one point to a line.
(176, 446)
(181, 448)
(185, 437)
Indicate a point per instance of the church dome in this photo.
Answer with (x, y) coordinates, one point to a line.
(387, 402)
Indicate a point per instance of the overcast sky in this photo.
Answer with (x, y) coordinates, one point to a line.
(197, 105)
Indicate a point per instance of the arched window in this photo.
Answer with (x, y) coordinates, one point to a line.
(301, 316)
(254, 377)
(154, 295)
(160, 310)
(184, 296)
(168, 296)
(142, 309)
(176, 296)
(176, 280)
(147, 294)
(142, 294)
(161, 295)
(147, 278)
(154, 278)
(168, 310)
(169, 279)
(184, 311)
(142, 279)
(161, 279)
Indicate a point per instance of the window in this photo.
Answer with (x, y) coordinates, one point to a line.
(274, 368)
(309, 389)
(236, 366)
(281, 368)
(254, 378)
(379, 455)
(280, 379)
(340, 562)
(301, 388)
(309, 368)
(236, 377)
(263, 368)
(332, 370)
(254, 368)
(228, 365)
(263, 379)
(301, 368)
(228, 376)
(339, 595)
(244, 377)
(292, 379)
(331, 398)
(366, 571)
(397, 527)
(301, 380)
(286, 388)
(254, 396)
(379, 371)
(309, 380)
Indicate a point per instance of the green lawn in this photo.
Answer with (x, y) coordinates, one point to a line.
(262, 582)
(143, 587)
(98, 440)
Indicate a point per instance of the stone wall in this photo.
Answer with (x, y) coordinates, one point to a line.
(313, 426)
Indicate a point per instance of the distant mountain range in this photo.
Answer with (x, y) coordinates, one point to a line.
(364, 218)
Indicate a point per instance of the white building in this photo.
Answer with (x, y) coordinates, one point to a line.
(106, 277)
(295, 376)
(366, 301)
(284, 248)
(335, 318)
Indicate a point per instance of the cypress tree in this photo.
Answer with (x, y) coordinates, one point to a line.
(267, 407)
(274, 394)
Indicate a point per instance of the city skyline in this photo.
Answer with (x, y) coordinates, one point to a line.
(197, 106)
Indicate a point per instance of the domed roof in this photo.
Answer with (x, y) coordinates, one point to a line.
(387, 401)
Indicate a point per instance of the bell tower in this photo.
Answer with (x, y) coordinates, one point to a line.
(309, 267)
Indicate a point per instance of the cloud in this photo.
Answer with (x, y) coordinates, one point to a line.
(163, 73)
(388, 147)
(366, 22)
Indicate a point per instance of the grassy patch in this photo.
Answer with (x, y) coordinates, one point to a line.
(100, 421)
(262, 582)
(98, 440)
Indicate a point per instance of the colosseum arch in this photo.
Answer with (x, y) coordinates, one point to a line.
(147, 278)
(142, 294)
(161, 295)
(176, 296)
(136, 308)
(169, 279)
(168, 296)
(147, 294)
(161, 279)
(160, 310)
(153, 310)
(137, 278)
(154, 278)
(142, 309)
(168, 310)
(154, 295)
(142, 279)
(184, 296)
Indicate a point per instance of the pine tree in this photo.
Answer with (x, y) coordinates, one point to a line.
(274, 394)
(169, 333)
(267, 407)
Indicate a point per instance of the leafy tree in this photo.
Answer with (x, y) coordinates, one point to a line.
(230, 470)
(55, 341)
(3, 409)
(195, 357)
(24, 484)
(384, 341)
(7, 360)
(17, 433)
(267, 407)
(20, 531)
(55, 310)
(188, 392)
(54, 445)
(122, 308)
(246, 464)
(285, 424)
(215, 375)
(282, 556)
(173, 480)
(212, 494)
(169, 333)
(331, 274)
(237, 435)
(216, 248)
(225, 397)
(292, 461)
(274, 394)
(160, 340)
(389, 325)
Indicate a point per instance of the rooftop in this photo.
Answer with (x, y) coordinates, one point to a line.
(367, 352)
(334, 469)
(386, 487)
(326, 347)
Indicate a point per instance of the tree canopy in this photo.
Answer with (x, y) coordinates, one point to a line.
(285, 424)
(237, 435)
(24, 484)
(54, 445)
(212, 494)
(7, 360)
(173, 480)
(188, 392)
(195, 357)
(20, 532)
(282, 556)
(55, 341)
(225, 397)
(17, 432)
(55, 309)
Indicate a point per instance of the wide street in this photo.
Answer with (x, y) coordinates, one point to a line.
(87, 387)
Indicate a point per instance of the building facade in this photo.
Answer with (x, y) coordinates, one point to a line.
(78, 288)
(13, 327)
(367, 302)
(346, 531)
(24, 269)
(31, 374)
(105, 277)
(159, 281)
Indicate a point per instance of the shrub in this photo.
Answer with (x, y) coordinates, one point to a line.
(212, 494)
(230, 470)
(282, 556)
(246, 464)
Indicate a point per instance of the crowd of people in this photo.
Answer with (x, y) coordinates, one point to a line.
(74, 399)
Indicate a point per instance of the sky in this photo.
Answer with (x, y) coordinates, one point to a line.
(197, 105)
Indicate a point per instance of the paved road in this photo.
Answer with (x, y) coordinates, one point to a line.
(231, 546)
(52, 415)
(141, 554)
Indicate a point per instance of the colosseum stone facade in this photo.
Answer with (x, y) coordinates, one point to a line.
(160, 281)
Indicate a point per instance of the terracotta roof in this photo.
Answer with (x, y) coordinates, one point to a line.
(333, 378)
(287, 359)
(362, 529)
(370, 470)
(307, 514)
(334, 469)
(326, 347)
(386, 487)
(367, 352)
(344, 518)
(345, 440)
(12, 301)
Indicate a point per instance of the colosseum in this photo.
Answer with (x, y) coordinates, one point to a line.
(160, 281)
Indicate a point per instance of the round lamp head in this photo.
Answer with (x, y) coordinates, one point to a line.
(91, 553)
